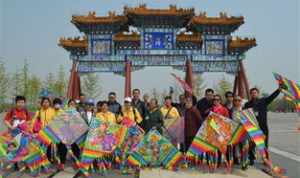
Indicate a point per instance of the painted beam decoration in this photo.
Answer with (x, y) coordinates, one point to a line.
(101, 45)
(214, 47)
(157, 37)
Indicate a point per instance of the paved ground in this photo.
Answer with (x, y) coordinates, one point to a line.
(283, 132)
(284, 147)
(285, 142)
(237, 173)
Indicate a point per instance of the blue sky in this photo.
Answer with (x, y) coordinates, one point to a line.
(30, 29)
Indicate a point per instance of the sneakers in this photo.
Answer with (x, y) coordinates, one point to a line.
(251, 162)
(61, 167)
(75, 166)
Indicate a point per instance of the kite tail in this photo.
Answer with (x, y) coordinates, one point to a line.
(275, 170)
(229, 161)
(204, 160)
(77, 162)
(212, 161)
(101, 167)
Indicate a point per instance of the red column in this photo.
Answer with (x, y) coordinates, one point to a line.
(189, 75)
(74, 83)
(235, 85)
(241, 86)
(127, 79)
(244, 79)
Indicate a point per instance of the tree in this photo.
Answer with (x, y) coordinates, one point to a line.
(4, 85)
(91, 85)
(25, 78)
(198, 85)
(223, 86)
(154, 93)
(60, 83)
(16, 84)
(49, 82)
(34, 87)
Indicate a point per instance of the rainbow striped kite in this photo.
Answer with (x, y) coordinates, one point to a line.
(46, 136)
(247, 118)
(256, 135)
(292, 91)
(36, 159)
(4, 139)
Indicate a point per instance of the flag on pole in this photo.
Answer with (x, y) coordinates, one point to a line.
(183, 84)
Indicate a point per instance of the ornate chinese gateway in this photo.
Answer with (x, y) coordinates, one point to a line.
(174, 37)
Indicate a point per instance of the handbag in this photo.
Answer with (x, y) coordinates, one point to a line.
(37, 125)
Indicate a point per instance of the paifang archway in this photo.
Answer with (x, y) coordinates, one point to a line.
(143, 37)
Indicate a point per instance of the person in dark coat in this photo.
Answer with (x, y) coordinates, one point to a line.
(192, 122)
(228, 100)
(154, 118)
(181, 105)
(81, 103)
(204, 105)
(113, 105)
(146, 99)
(139, 105)
(260, 108)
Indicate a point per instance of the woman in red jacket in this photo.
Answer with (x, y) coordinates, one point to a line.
(218, 107)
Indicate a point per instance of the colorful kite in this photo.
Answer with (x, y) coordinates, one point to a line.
(68, 126)
(133, 138)
(217, 133)
(175, 131)
(247, 118)
(6, 142)
(100, 145)
(31, 154)
(36, 159)
(291, 89)
(155, 150)
(256, 135)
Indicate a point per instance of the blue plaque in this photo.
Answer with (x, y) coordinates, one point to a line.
(158, 40)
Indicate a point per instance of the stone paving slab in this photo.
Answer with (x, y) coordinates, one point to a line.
(237, 173)
(161, 173)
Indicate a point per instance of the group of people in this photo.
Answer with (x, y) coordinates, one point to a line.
(145, 112)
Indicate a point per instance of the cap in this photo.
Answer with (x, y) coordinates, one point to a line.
(112, 94)
(128, 99)
(90, 102)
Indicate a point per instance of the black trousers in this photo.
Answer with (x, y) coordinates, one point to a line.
(187, 143)
(49, 153)
(62, 151)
